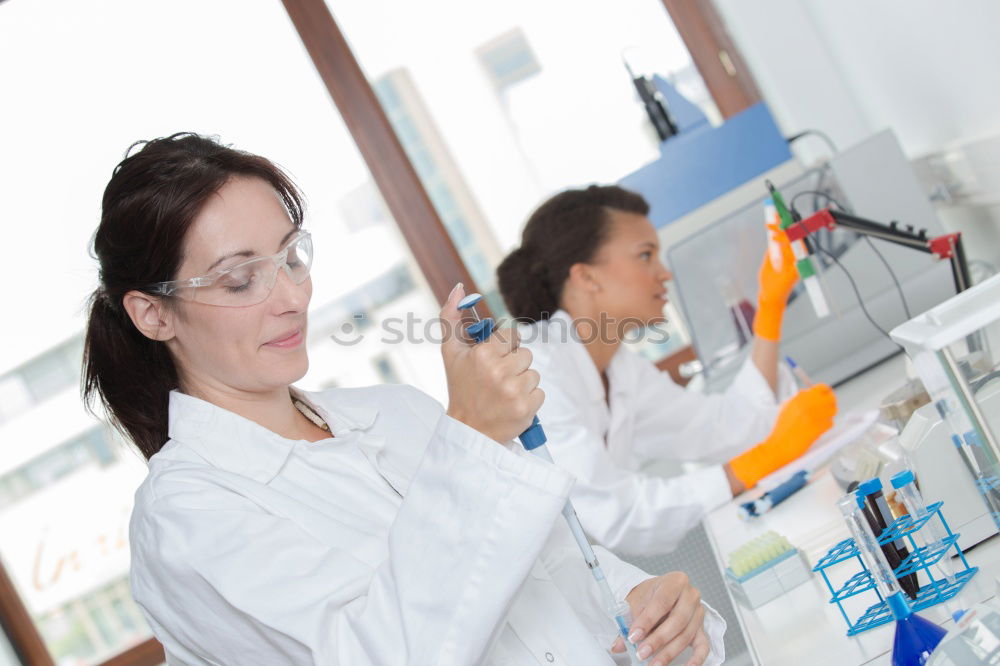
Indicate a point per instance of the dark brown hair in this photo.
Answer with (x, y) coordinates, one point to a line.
(149, 204)
(567, 229)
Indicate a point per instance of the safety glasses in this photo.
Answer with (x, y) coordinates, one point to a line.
(247, 283)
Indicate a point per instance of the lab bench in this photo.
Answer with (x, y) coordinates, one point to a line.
(801, 626)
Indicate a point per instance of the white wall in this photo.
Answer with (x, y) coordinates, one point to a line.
(925, 68)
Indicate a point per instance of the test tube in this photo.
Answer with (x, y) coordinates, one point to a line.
(876, 512)
(772, 219)
(915, 637)
(851, 507)
(622, 615)
(933, 532)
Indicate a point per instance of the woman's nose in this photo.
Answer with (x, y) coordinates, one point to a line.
(288, 295)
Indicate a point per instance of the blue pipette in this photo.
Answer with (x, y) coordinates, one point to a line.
(774, 497)
(533, 440)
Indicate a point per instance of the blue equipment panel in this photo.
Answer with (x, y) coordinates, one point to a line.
(702, 164)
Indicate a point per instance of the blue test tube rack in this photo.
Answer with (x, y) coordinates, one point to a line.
(921, 559)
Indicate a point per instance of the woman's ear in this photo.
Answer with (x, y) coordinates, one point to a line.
(582, 277)
(150, 315)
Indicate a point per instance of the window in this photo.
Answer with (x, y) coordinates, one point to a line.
(440, 175)
(15, 397)
(385, 370)
(7, 656)
(501, 107)
(95, 446)
(41, 378)
(508, 59)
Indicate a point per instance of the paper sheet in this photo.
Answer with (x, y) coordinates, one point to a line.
(847, 428)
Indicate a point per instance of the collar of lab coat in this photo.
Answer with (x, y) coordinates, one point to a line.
(233, 443)
(586, 369)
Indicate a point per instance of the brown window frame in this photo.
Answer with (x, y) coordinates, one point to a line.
(715, 56)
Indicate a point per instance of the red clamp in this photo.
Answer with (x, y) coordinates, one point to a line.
(944, 246)
(819, 220)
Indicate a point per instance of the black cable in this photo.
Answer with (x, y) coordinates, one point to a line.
(815, 132)
(819, 193)
(861, 301)
(892, 273)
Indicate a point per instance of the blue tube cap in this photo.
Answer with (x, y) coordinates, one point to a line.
(481, 330)
(469, 301)
(901, 479)
(870, 486)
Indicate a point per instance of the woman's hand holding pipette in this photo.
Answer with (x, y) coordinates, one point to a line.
(669, 617)
(490, 385)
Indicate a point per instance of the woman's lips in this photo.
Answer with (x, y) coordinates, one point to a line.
(287, 341)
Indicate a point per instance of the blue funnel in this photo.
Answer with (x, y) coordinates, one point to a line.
(915, 639)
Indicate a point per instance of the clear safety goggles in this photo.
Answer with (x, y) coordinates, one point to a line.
(247, 283)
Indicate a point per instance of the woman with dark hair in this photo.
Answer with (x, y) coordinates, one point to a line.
(587, 272)
(349, 526)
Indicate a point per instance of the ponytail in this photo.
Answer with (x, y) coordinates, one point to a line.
(130, 375)
(525, 287)
(567, 229)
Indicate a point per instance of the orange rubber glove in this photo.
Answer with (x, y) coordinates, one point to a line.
(801, 420)
(775, 287)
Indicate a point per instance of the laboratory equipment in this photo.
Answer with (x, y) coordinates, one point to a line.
(655, 104)
(740, 310)
(915, 637)
(533, 440)
(876, 511)
(725, 238)
(932, 535)
(953, 349)
(803, 259)
(941, 470)
(974, 640)
(920, 561)
(946, 246)
(689, 172)
(899, 406)
(774, 497)
(764, 568)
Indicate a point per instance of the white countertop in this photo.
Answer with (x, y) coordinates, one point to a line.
(801, 626)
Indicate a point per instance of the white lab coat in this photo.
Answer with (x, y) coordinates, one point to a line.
(647, 417)
(408, 538)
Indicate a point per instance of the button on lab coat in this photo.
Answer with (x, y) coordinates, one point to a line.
(646, 418)
(408, 538)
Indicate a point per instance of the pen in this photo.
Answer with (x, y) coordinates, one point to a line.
(772, 498)
(799, 373)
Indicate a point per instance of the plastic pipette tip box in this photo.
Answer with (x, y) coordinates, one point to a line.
(764, 569)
